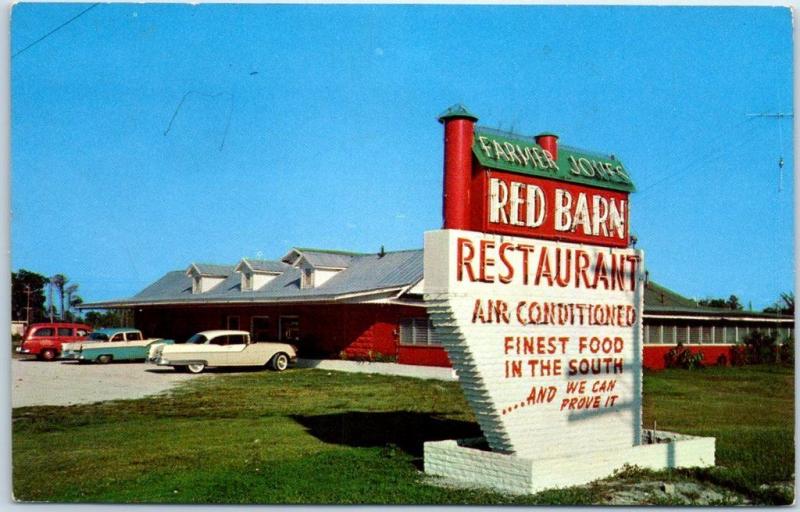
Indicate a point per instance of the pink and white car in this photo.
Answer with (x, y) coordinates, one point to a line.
(222, 348)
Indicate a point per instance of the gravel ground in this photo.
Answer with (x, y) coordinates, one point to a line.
(65, 383)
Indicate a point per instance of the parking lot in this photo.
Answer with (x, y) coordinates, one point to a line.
(66, 383)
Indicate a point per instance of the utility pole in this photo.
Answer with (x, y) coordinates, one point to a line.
(778, 116)
(28, 306)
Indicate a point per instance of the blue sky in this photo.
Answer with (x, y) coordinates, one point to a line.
(316, 126)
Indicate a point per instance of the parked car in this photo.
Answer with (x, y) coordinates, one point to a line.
(45, 340)
(117, 344)
(222, 348)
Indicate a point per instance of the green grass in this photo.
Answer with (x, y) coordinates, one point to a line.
(310, 436)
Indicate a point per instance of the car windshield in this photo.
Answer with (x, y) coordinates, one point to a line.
(98, 336)
(197, 339)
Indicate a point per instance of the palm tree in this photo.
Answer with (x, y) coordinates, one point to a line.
(59, 280)
(50, 298)
(70, 290)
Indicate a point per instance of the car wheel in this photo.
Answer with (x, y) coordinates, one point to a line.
(196, 368)
(280, 362)
(104, 359)
(48, 354)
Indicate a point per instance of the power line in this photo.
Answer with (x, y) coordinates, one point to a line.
(709, 156)
(213, 96)
(778, 116)
(57, 29)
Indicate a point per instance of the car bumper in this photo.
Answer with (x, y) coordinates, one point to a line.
(71, 355)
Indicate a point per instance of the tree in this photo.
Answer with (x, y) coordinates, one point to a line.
(72, 299)
(110, 318)
(784, 305)
(731, 302)
(25, 284)
(59, 281)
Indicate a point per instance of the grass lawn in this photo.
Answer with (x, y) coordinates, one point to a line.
(311, 436)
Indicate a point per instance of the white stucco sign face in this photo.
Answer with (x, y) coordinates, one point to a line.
(545, 338)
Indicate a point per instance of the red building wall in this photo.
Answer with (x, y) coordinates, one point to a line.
(654, 356)
(352, 331)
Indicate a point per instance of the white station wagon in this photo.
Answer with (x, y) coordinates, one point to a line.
(222, 348)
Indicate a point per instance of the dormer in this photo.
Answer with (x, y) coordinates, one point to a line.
(318, 266)
(206, 276)
(312, 274)
(257, 273)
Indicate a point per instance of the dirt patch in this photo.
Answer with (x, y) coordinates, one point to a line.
(67, 382)
(673, 493)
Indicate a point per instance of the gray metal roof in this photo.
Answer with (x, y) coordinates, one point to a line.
(327, 260)
(365, 273)
(173, 284)
(267, 265)
(213, 270)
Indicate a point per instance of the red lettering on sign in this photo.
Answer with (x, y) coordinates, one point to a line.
(463, 261)
(509, 275)
(486, 261)
(515, 204)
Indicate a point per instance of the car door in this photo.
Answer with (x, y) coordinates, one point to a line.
(216, 351)
(137, 345)
(234, 350)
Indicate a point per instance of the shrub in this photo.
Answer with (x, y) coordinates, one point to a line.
(787, 351)
(761, 347)
(739, 355)
(682, 357)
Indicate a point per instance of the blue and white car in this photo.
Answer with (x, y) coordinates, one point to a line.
(114, 344)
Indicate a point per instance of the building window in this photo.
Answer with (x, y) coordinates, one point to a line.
(289, 328)
(197, 284)
(247, 281)
(668, 336)
(261, 328)
(307, 278)
(418, 331)
(708, 334)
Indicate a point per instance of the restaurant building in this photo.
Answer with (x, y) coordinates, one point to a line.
(336, 304)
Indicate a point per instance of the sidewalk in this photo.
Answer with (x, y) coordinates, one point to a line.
(403, 370)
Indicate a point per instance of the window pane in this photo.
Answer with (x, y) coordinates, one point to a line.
(730, 334)
(433, 336)
(64, 331)
(43, 332)
(694, 335)
(708, 336)
(681, 334)
(420, 331)
(669, 333)
(134, 336)
(651, 334)
(406, 330)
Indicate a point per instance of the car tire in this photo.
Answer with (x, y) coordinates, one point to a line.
(48, 354)
(104, 359)
(196, 368)
(280, 362)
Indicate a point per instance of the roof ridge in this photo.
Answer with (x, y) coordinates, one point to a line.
(329, 251)
(662, 288)
(391, 252)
